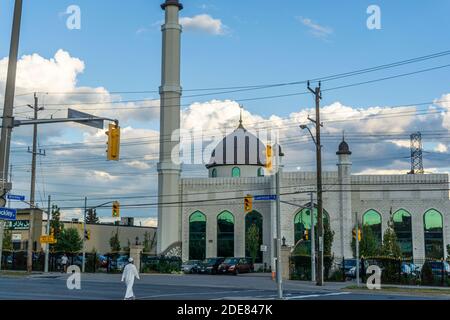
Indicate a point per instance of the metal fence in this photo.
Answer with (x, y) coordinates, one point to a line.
(160, 264)
(425, 272)
(111, 262)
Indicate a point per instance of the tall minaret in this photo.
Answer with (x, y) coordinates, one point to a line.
(170, 92)
(344, 237)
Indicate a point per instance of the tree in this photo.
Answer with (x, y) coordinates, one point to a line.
(69, 241)
(390, 246)
(55, 225)
(368, 246)
(7, 240)
(149, 243)
(114, 242)
(328, 237)
(252, 241)
(91, 216)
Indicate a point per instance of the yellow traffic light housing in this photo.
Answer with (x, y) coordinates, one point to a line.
(269, 157)
(248, 203)
(354, 234)
(116, 209)
(113, 150)
(306, 234)
(87, 235)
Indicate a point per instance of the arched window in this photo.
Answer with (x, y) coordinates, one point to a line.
(373, 219)
(403, 230)
(236, 172)
(260, 172)
(254, 234)
(433, 226)
(197, 236)
(214, 173)
(225, 234)
(302, 222)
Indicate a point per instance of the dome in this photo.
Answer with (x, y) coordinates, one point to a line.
(343, 148)
(239, 148)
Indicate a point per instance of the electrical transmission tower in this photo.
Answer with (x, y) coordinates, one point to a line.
(416, 154)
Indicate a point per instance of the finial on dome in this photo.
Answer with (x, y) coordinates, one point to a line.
(240, 117)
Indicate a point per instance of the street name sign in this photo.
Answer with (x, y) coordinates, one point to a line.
(8, 214)
(47, 239)
(265, 197)
(16, 197)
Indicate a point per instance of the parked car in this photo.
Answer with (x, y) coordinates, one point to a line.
(103, 261)
(236, 266)
(210, 265)
(438, 268)
(191, 266)
(409, 268)
(350, 267)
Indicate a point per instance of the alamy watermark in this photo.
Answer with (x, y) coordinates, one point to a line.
(374, 20)
(74, 280)
(73, 22)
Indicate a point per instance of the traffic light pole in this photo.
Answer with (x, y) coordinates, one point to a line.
(278, 265)
(357, 249)
(84, 236)
(7, 120)
(47, 248)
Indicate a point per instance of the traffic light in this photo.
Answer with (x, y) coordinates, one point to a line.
(354, 234)
(269, 157)
(306, 234)
(2, 197)
(116, 209)
(87, 234)
(248, 203)
(113, 150)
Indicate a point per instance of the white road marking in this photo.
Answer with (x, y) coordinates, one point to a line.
(318, 295)
(197, 293)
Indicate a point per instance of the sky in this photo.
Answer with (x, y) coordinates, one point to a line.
(224, 44)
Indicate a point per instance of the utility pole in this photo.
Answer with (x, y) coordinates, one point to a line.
(34, 153)
(47, 248)
(2, 226)
(7, 120)
(313, 241)
(84, 236)
(318, 96)
(10, 180)
(278, 242)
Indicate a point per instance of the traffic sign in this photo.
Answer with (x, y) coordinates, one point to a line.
(16, 197)
(263, 248)
(265, 197)
(47, 239)
(8, 214)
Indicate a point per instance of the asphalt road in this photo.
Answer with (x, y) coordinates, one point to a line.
(182, 287)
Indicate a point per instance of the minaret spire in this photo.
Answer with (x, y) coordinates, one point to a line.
(241, 126)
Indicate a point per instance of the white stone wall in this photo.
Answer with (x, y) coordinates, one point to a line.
(341, 201)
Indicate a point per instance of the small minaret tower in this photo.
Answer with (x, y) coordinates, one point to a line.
(345, 199)
(170, 93)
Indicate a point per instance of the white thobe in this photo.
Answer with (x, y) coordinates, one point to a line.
(128, 275)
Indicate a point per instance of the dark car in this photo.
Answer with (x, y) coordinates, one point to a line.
(350, 267)
(236, 266)
(438, 268)
(210, 265)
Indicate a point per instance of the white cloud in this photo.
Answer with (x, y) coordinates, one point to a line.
(441, 148)
(316, 29)
(204, 23)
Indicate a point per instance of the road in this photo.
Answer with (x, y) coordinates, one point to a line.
(183, 287)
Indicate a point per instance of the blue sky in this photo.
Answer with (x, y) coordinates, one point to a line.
(243, 43)
(265, 43)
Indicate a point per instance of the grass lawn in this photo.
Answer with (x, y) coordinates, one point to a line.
(410, 290)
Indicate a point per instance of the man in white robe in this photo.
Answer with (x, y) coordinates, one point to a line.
(128, 275)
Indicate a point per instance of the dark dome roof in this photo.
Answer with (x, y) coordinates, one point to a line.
(344, 148)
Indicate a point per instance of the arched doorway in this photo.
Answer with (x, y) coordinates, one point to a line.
(197, 236)
(434, 241)
(373, 219)
(302, 223)
(403, 230)
(254, 234)
(225, 234)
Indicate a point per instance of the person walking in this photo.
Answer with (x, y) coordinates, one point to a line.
(129, 273)
(64, 262)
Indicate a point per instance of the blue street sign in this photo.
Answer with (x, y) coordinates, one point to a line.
(8, 214)
(16, 197)
(265, 197)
